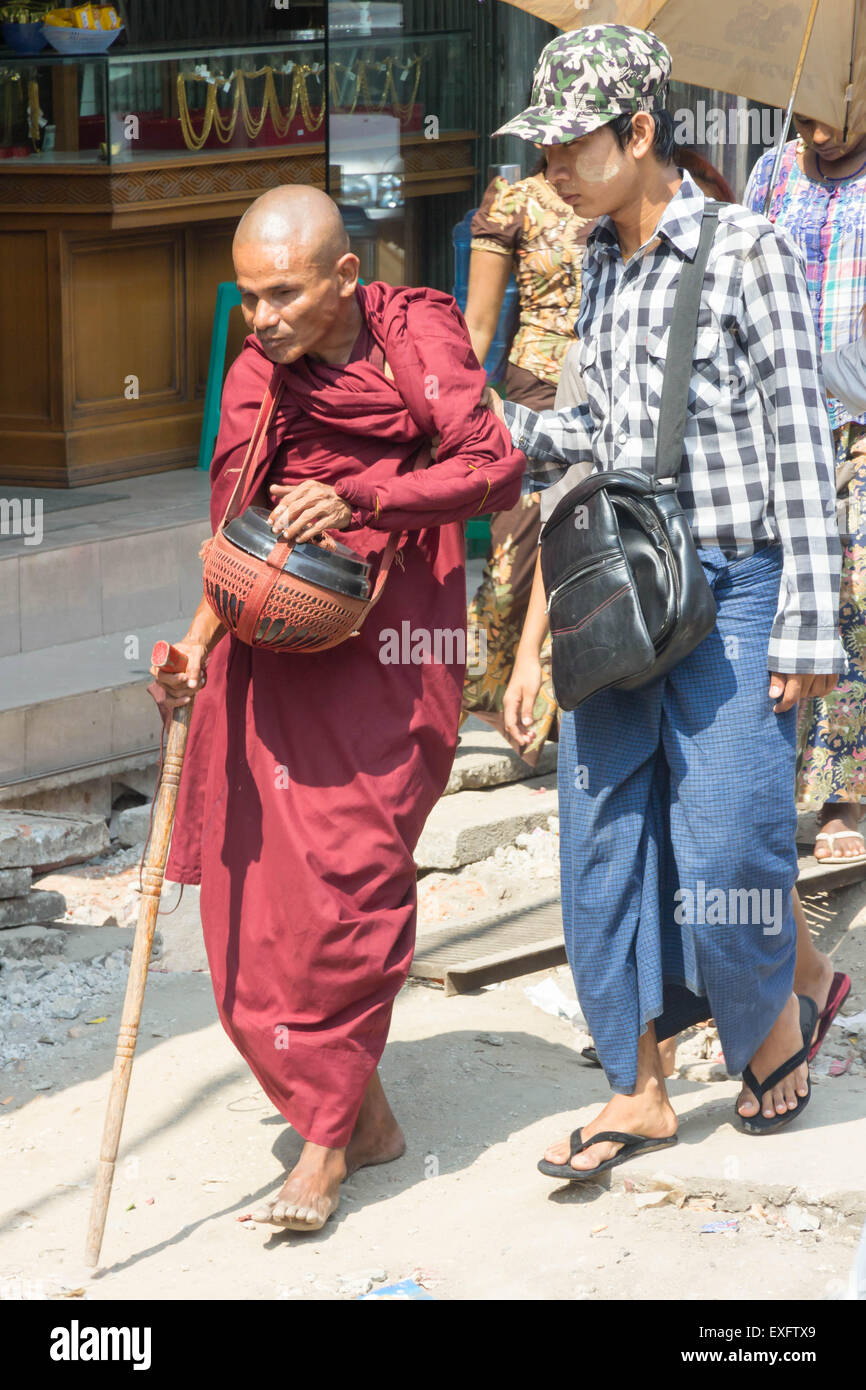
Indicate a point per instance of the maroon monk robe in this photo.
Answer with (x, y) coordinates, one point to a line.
(308, 778)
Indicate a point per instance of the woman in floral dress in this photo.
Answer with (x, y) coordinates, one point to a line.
(524, 227)
(820, 200)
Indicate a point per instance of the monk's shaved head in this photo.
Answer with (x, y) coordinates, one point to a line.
(297, 276)
(303, 220)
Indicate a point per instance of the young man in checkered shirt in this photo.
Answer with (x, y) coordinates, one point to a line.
(677, 816)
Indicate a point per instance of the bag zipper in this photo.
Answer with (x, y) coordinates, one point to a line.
(577, 575)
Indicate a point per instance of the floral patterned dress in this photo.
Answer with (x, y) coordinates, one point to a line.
(827, 220)
(528, 222)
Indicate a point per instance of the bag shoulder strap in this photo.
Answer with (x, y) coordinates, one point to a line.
(680, 358)
(267, 411)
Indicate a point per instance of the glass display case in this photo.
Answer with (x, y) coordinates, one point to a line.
(123, 175)
(121, 107)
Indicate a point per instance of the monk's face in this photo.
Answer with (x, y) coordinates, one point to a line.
(293, 305)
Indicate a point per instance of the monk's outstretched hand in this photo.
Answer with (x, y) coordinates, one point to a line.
(304, 511)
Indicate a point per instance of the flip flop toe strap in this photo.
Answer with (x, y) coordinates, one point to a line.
(609, 1136)
(760, 1088)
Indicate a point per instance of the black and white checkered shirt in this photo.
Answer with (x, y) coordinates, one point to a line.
(758, 466)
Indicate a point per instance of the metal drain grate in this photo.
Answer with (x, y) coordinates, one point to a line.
(471, 954)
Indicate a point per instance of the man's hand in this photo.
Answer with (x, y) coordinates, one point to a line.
(519, 699)
(305, 510)
(492, 400)
(799, 687)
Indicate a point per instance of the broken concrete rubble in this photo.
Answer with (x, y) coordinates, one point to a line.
(37, 906)
(34, 839)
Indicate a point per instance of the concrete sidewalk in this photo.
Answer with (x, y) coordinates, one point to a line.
(482, 1083)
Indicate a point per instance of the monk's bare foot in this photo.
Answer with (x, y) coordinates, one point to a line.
(783, 1040)
(377, 1137)
(311, 1192)
(648, 1113)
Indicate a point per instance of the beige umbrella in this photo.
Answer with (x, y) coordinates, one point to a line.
(749, 47)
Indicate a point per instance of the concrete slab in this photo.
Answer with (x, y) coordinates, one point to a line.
(817, 1161)
(126, 508)
(60, 597)
(14, 883)
(38, 906)
(89, 798)
(27, 943)
(131, 826)
(469, 825)
(142, 780)
(87, 943)
(139, 579)
(36, 840)
(10, 609)
(484, 759)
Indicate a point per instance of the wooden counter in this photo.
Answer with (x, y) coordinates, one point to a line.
(109, 272)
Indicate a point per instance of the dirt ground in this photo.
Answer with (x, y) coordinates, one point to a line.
(481, 1083)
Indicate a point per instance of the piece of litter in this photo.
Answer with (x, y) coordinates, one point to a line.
(248, 1217)
(663, 1181)
(73, 1293)
(148, 1201)
(628, 1184)
(596, 1229)
(714, 1228)
(838, 1067)
(405, 1289)
(104, 1019)
(854, 1022)
(650, 1199)
(549, 997)
(7, 1101)
(799, 1219)
(131, 1207)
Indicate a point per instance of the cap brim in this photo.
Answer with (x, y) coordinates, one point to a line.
(545, 126)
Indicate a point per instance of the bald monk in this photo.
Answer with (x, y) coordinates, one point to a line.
(308, 777)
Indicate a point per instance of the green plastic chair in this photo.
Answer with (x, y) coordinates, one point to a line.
(228, 297)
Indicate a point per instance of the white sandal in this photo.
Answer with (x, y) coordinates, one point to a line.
(832, 858)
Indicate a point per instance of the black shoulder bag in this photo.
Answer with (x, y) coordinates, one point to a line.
(627, 596)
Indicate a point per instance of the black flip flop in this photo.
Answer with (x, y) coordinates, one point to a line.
(588, 1057)
(633, 1146)
(762, 1124)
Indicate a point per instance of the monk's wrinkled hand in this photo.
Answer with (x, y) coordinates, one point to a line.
(181, 688)
(787, 690)
(492, 400)
(304, 511)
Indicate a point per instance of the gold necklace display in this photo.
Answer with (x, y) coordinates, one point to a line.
(223, 123)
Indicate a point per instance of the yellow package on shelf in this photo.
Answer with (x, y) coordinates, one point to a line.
(60, 19)
(84, 17)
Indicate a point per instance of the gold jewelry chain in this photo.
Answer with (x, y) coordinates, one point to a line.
(224, 125)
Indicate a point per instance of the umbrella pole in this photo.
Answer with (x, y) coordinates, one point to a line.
(780, 149)
(154, 868)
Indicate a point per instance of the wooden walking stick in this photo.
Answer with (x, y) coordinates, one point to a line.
(169, 659)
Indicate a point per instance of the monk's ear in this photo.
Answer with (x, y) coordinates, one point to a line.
(347, 269)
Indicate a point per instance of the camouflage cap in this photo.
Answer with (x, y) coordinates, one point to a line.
(589, 76)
